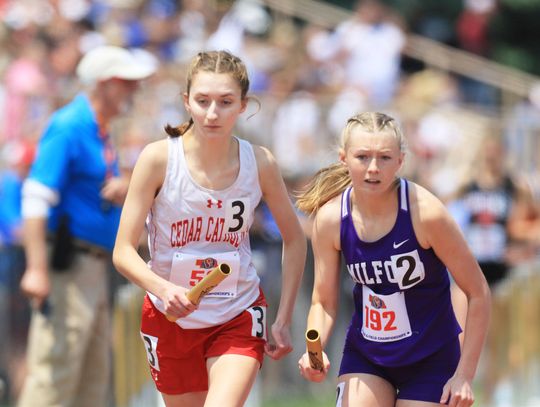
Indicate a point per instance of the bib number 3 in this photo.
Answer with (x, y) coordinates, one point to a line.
(258, 321)
(236, 212)
(150, 345)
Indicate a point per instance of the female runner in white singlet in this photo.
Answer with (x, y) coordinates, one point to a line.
(197, 190)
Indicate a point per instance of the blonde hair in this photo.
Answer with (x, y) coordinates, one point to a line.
(334, 179)
(217, 62)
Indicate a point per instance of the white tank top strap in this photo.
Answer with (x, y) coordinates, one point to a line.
(174, 155)
(403, 195)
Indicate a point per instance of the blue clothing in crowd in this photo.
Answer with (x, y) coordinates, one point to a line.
(10, 207)
(70, 160)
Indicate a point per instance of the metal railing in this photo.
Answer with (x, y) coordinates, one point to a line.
(432, 53)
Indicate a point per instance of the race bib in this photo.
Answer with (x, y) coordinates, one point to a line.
(408, 269)
(237, 215)
(150, 345)
(188, 269)
(385, 317)
(258, 319)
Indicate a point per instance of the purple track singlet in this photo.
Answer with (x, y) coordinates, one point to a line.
(403, 311)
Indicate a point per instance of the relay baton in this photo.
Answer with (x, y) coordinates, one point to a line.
(314, 349)
(207, 284)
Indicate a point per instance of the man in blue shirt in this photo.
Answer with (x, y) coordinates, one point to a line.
(71, 208)
(17, 156)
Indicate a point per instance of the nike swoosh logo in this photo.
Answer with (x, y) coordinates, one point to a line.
(396, 245)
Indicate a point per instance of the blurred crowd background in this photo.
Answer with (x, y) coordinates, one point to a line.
(461, 77)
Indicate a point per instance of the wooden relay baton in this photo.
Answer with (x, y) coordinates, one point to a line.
(207, 284)
(314, 349)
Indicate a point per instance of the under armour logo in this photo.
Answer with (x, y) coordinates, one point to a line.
(210, 203)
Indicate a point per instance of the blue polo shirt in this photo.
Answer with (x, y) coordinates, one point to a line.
(10, 206)
(70, 160)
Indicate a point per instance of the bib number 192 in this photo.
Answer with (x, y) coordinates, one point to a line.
(379, 320)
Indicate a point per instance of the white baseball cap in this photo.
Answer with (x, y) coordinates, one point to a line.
(108, 61)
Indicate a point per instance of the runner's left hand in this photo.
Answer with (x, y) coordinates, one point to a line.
(458, 390)
(282, 342)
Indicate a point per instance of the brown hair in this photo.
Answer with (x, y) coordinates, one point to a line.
(334, 179)
(217, 62)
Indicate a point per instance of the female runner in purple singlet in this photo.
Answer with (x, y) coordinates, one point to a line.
(398, 243)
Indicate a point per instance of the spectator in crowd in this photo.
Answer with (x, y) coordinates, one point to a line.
(496, 207)
(71, 208)
(522, 144)
(26, 94)
(472, 26)
(296, 133)
(369, 46)
(472, 30)
(18, 157)
(493, 210)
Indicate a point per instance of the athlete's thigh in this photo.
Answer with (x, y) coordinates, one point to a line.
(366, 390)
(230, 378)
(195, 399)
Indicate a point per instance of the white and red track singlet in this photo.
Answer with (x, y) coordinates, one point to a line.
(191, 229)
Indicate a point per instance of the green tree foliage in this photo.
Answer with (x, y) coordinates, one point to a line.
(513, 30)
(514, 33)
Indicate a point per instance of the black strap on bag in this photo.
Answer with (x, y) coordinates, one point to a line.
(63, 250)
